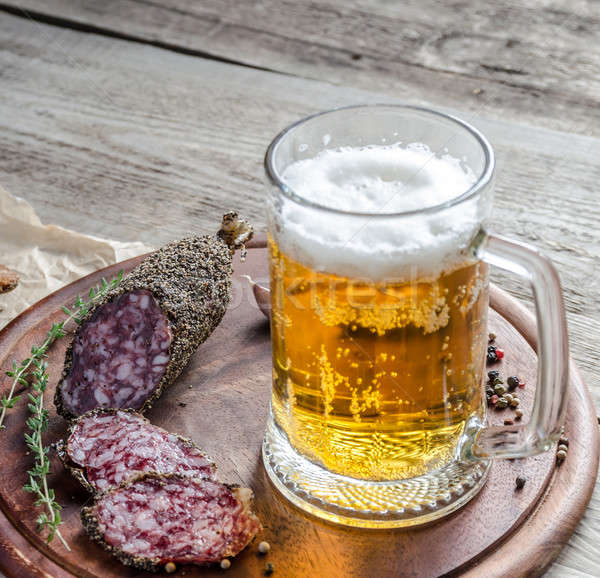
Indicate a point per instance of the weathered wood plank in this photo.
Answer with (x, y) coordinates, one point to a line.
(529, 62)
(124, 140)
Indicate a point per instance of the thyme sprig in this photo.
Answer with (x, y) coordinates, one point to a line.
(19, 372)
(38, 476)
(50, 518)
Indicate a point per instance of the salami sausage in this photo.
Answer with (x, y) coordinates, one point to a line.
(107, 446)
(156, 519)
(136, 340)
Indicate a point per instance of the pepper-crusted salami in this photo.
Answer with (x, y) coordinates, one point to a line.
(140, 336)
(107, 446)
(157, 519)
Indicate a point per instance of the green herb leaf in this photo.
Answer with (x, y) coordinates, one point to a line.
(10, 403)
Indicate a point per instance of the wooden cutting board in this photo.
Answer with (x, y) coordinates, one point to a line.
(221, 401)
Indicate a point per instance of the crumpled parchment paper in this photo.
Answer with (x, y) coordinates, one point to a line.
(48, 257)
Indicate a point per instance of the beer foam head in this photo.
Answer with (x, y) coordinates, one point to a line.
(377, 180)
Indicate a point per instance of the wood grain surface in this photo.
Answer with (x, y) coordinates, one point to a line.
(134, 141)
(221, 401)
(534, 62)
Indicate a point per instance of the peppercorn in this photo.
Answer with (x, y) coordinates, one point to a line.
(522, 384)
(497, 381)
(493, 374)
(491, 337)
(492, 357)
(494, 399)
(225, 564)
(514, 402)
(564, 441)
(518, 414)
(508, 397)
(512, 382)
(508, 422)
(499, 389)
(562, 448)
(170, 567)
(269, 568)
(501, 403)
(560, 456)
(520, 482)
(264, 547)
(489, 392)
(499, 353)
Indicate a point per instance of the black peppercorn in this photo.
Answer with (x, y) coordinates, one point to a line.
(492, 357)
(512, 382)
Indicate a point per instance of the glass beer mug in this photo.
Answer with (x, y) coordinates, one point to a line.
(379, 264)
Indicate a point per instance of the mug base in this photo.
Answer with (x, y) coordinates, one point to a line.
(369, 504)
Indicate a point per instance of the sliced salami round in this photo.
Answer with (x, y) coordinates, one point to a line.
(107, 447)
(119, 355)
(157, 519)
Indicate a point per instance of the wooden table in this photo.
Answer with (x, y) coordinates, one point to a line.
(138, 120)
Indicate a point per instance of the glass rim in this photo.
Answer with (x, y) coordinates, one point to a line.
(483, 180)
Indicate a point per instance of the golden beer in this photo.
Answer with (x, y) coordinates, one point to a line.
(376, 379)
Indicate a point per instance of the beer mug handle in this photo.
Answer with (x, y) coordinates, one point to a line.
(550, 403)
